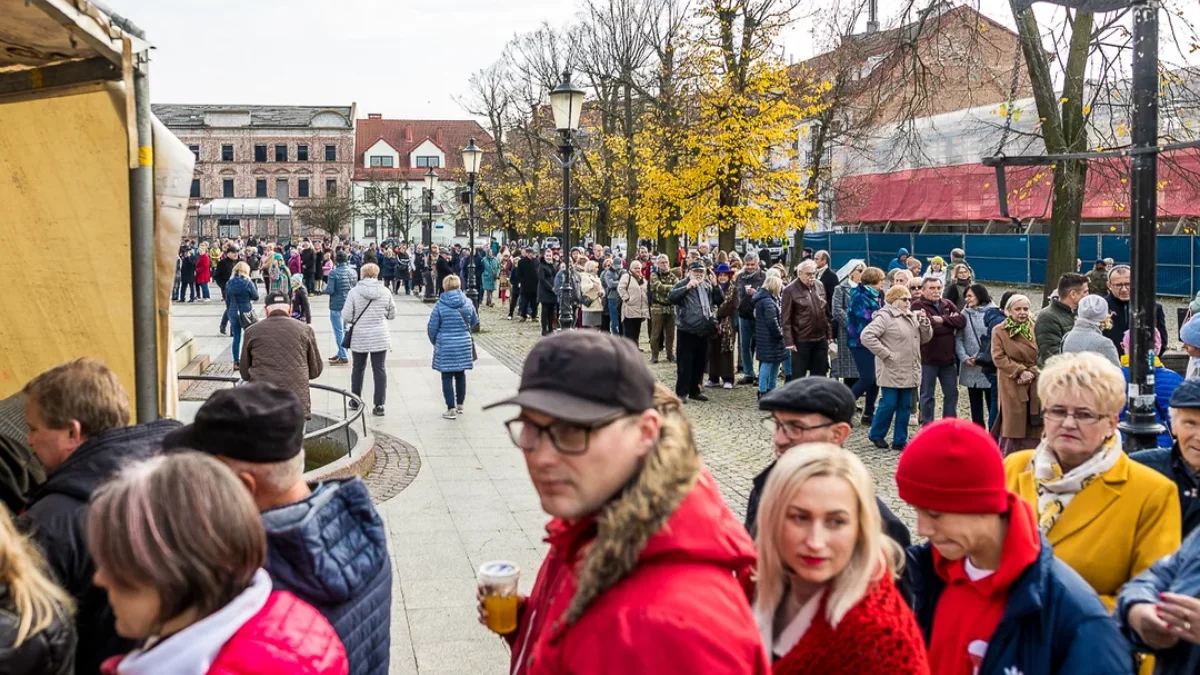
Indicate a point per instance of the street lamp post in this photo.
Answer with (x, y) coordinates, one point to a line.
(427, 236)
(406, 194)
(566, 102)
(472, 156)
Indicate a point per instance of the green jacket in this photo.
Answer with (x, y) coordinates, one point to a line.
(661, 284)
(1053, 323)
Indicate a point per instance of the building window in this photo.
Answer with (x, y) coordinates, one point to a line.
(195, 188)
(383, 162)
(428, 161)
(331, 186)
(260, 188)
(227, 188)
(195, 151)
(369, 229)
(301, 153)
(302, 187)
(393, 194)
(331, 153)
(260, 153)
(370, 195)
(280, 153)
(226, 153)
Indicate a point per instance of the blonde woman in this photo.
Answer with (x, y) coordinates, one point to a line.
(37, 633)
(592, 291)
(1106, 516)
(240, 294)
(895, 336)
(825, 579)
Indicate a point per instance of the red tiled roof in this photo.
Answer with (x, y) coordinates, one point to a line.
(405, 135)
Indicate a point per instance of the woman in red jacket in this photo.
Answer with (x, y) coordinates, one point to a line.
(203, 273)
(179, 547)
(826, 601)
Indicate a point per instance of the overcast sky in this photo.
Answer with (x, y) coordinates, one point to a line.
(404, 59)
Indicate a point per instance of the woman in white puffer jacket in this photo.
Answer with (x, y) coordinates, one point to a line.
(369, 306)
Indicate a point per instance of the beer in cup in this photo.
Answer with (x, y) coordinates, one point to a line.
(498, 582)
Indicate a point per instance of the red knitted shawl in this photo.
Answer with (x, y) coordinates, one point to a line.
(878, 635)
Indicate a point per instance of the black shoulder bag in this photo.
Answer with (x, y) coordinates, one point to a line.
(350, 330)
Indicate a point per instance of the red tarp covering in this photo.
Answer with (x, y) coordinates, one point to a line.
(968, 192)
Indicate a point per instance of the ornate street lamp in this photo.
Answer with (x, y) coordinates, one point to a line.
(566, 102)
(472, 157)
(431, 180)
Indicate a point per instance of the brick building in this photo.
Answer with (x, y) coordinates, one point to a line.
(393, 153)
(258, 155)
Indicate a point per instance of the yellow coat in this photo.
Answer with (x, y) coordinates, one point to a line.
(1115, 528)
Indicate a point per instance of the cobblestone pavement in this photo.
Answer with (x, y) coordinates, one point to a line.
(396, 465)
(728, 427)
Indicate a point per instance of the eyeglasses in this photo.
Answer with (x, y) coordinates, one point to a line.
(792, 430)
(1124, 285)
(567, 439)
(1082, 417)
(904, 299)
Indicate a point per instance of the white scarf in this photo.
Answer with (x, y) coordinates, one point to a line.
(192, 650)
(1056, 489)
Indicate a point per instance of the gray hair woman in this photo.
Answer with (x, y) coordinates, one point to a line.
(1014, 353)
(1088, 334)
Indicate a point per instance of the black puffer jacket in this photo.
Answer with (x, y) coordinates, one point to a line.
(56, 521)
(49, 652)
(546, 273)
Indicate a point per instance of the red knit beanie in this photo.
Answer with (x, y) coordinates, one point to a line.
(953, 466)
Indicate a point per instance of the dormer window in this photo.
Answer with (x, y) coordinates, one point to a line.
(429, 161)
(382, 162)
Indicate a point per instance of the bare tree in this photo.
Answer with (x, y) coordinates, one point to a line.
(330, 214)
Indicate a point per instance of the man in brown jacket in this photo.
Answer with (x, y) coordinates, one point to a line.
(806, 330)
(281, 351)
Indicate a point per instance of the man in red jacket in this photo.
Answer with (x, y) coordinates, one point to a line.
(640, 576)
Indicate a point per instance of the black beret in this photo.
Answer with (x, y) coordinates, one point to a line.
(820, 395)
(257, 422)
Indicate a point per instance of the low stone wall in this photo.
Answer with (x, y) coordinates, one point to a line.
(357, 462)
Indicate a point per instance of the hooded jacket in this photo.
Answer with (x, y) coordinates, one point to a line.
(338, 286)
(240, 294)
(55, 521)
(897, 263)
(448, 332)
(330, 550)
(647, 584)
(895, 337)
(369, 307)
(1052, 623)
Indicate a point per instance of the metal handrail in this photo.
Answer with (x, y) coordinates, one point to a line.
(348, 416)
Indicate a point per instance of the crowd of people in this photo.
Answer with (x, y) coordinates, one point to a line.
(161, 548)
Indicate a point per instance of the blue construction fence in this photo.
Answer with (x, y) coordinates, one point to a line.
(1015, 258)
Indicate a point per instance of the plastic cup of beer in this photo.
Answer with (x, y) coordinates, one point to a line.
(498, 580)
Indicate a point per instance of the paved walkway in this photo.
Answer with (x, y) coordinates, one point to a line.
(472, 500)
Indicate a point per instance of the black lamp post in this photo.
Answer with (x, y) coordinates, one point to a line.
(472, 156)
(406, 194)
(1141, 426)
(566, 102)
(427, 236)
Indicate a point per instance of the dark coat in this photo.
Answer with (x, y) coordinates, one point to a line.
(1053, 622)
(224, 271)
(829, 279)
(282, 351)
(300, 308)
(745, 304)
(55, 521)
(187, 267)
(1119, 310)
(545, 282)
(48, 652)
(240, 294)
(527, 275)
(387, 267)
(805, 315)
(939, 351)
(1053, 324)
(692, 314)
(330, 550)
(444, 270)
(1169, 463)
(768, 331)
(307, 262)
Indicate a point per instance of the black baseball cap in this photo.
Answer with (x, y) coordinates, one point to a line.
(256, 422)
(820, 395)
(584, 377)
(277, 298)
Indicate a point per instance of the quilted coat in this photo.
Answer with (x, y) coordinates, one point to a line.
(285, 636)
(449, 334)
(370, 322)
(50, 651)
(282, 351)
(240, 294)
(330, 550)
(491, 272)
(768, 332)
(341, 280)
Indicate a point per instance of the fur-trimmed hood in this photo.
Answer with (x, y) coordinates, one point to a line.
(671, 512)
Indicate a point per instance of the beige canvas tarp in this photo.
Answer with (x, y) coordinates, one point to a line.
(65, 271)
